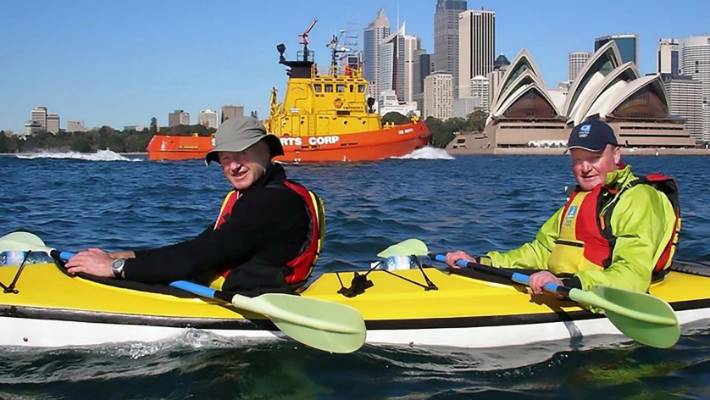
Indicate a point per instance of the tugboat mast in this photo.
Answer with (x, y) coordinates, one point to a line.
(304, 38)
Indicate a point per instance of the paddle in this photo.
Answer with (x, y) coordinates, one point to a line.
(640, 316)
(324, 325)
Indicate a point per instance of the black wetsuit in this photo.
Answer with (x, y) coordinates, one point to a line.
(266, 229)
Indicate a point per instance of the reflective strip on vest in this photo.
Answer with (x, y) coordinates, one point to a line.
(580, 244)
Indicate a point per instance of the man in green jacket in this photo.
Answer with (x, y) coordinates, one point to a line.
(613, 231)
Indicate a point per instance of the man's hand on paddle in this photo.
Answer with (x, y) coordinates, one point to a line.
(454, 256)
(538, 281)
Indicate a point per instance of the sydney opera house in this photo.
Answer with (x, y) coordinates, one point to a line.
(525, 114)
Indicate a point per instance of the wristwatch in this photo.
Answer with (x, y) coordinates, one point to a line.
(117, 267)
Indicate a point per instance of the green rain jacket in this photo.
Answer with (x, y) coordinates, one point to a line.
(642, 222)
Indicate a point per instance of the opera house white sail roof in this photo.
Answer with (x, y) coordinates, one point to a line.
(523, 110)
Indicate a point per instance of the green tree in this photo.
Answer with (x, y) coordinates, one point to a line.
(153, 125)
(395, 118)
(186, 130)
(441, 134)
(455, 124)
(476, 121)
(8, 143)
(81, 144)
(137, 142)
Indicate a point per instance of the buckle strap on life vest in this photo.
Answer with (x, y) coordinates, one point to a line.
(666, 185)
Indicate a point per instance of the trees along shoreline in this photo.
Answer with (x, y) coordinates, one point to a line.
(442, 131)
(126, 141)
(132, 141)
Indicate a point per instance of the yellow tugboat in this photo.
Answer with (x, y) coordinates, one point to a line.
(329, 117)
(323, 118)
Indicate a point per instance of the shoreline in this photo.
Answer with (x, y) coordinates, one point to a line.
(527, 151)
(559, 151)
(135, 153)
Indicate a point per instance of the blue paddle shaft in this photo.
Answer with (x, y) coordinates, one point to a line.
(202, 291)
(516, 276)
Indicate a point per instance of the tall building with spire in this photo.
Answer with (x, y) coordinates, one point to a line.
(373, 36)
(446, 37)
(477, 47)
(397, 61)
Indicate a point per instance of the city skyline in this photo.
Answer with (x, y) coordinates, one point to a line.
(121, 64)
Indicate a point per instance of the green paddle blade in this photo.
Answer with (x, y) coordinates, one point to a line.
(409, 247)
(642, 317)
(22, 241)
(324, 325)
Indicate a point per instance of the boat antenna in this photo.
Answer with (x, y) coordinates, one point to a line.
(335, 49)
(304, 38)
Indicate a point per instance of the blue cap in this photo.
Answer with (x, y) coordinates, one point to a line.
(592, 135)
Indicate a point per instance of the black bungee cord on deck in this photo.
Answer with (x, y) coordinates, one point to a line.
(360, 283)
(11, 287)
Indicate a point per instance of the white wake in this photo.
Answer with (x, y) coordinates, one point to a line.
(427, 153)
(101, 155)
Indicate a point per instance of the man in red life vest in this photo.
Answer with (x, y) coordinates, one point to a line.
(266, 238)
(616, 229)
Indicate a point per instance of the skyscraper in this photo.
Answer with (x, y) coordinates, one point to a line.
(495, 77)
(397, 54)
(685, 100)
(479, 92)
(668, 60)
(477, 46)
(695, 62)
(208, 118)
(230, 111)
(695, 56)
(446, 37)
(76, 126)
(576, 60)
(422, 69)
(39, 114)
(373, 36)
(628, 44)
(53, 123)
(178, 117)
(438, 95)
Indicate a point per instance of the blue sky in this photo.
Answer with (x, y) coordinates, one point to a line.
(120, 62)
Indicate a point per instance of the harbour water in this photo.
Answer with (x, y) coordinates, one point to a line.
(472, 203)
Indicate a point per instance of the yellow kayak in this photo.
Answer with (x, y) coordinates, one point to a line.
(51, 309)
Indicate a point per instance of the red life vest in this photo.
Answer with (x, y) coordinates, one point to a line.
(586, 240)
(301, 266)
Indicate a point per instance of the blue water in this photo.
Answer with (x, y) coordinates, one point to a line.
(471, 203)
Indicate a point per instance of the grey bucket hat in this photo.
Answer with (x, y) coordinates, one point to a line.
(238, 134)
